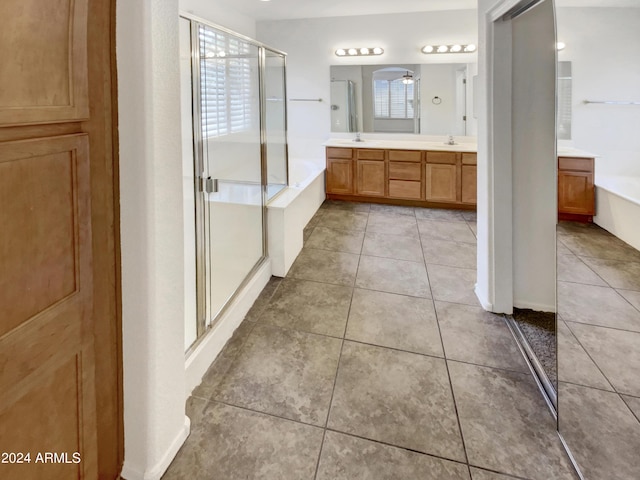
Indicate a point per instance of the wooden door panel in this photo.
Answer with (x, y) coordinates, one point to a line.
(339, 176)
(469, 184)
(441, 183)
(46, 326)
(576, 193)
(46, 79)
(370, 178)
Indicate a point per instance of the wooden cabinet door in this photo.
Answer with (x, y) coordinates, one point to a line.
(576, 193)
(339, 176)
(441, 183)
(370, 175)
(58, 264)
(469, 184)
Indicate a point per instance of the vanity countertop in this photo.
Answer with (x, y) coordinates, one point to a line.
(401, 145)
(434, 146)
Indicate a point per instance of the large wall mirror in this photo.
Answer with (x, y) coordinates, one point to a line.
(431, 99)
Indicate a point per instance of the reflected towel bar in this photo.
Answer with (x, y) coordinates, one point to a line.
(611, 102)
(305, 99)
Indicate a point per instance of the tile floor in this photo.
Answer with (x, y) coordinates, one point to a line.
(373, 360)
(599, 351)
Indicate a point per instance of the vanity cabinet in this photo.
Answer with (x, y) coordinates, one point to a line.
(339, 171)
(370, 172)
(576, 190)
(415, 177)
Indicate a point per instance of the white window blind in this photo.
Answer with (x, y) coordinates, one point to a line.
(393, 99)
(226, 84)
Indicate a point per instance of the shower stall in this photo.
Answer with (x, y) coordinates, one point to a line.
(239, 159)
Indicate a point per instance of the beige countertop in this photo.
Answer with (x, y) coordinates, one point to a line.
(434, 146)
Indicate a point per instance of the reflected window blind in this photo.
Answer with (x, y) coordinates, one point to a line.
(392, 99)
(226, 84)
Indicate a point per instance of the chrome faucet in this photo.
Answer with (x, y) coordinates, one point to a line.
(450, 141)
(358, 139)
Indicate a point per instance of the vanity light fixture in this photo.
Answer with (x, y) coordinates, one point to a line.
(456, 48)
(358, 52)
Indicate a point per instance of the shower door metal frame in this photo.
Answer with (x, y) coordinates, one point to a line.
(206, 319)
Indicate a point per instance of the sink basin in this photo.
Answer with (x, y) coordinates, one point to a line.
(362, 143)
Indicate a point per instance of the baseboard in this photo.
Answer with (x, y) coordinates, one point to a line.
(486, 305)
(155, 473)
(208, 348)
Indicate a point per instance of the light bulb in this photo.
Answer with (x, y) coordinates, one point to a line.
(364, 51)
(340, 52)
(353, 51)
(443, 49)
(456, 48)
(378, 51)
(470, 48)
(561, 45)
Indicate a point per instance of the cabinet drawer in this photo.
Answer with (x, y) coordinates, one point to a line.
(405, 155)
(333, 152)
(575, 164)
(469, 159)
(404, 189)
(404, 171)
(442, 157)
(363, 154)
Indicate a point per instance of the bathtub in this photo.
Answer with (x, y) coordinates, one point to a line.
(618, 206)
(290, 211)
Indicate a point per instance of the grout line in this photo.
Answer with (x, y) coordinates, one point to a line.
(446, 363)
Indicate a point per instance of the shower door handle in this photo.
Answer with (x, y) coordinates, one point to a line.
(211, 185)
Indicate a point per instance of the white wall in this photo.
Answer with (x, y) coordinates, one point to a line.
(220, 14)
(603, 46)
(152, 230)
(311, 43)
(151, 235)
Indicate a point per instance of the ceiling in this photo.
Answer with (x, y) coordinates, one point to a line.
(288, 9)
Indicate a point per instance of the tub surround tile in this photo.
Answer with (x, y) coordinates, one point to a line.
(616, 352)
(443, 230)
(619, 274)
(325, 266)
(574, 364)
(444, 214)
(393, 224)
(632, 297)
(470, 334)
(339, 219)
(395, 321)
(452, 254)
(454, 285)
(347, 241)
(605, 247)
(504, 435)
(309, 306)
(595, 305)
(380, 395)
(572, 269)
(393, 276)
(349, 458)
(284, 373)
(392, 209)
(235, 444)
(392, 246)
(602, 432)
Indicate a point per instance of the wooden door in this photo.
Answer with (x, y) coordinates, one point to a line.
(370, 178)
(58, 260)
(441, 183)
(576, 193)
(469, 184)
(339, 176)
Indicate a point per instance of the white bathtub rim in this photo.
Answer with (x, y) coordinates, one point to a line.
(608, 183)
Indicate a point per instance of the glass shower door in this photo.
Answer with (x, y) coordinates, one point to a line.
(275, 121)
(232, 163)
